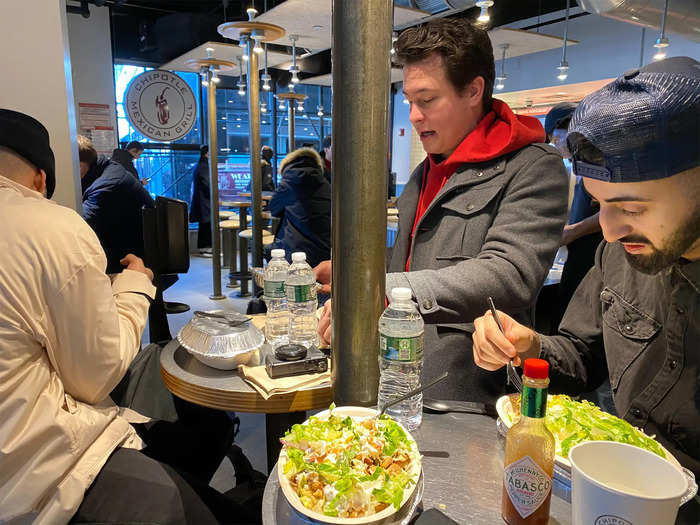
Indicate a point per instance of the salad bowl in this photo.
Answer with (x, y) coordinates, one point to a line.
(321, 456)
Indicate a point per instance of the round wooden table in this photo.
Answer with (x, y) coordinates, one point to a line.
(266, 195)
(193, 381)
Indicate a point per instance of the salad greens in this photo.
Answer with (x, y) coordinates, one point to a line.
(573, 422)
(346, 467)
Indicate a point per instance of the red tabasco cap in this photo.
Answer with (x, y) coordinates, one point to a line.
(536, 368)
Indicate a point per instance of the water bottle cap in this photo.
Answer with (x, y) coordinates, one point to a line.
(298, 257)
(277, 253)
(401, 294)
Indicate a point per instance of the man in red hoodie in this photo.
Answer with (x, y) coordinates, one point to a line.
(482, 215)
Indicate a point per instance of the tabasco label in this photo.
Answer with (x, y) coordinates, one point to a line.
(527, 485)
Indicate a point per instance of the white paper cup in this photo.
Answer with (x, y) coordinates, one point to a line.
(619, 484)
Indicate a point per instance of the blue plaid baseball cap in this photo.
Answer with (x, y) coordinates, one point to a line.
(643, 126)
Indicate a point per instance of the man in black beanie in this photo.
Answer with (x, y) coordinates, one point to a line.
(635, 318)
(67, 335)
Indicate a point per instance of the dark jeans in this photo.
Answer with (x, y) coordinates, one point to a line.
(204, 235)
(133, 488)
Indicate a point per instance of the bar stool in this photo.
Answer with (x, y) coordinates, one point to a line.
(229, 229)
(243, 275)
(267, 237)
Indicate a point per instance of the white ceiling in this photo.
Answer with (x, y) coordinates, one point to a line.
(523, 42)
(223, 52)
(551, 95)
(311, 21)
(327, 80)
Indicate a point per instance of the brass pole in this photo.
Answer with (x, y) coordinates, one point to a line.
(214, 190)
(361, 62)
(254, 142)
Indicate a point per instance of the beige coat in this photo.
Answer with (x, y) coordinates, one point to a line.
(67, 335)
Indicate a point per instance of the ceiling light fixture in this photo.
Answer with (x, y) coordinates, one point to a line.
(204, 73)
(502, 77)
(320, 111)
(394, 38)
(662, 42)
(293, 69)
(265, 77)
(281, 105)
(484, 16)
(263, 107)
(563, 66)
(241, 84)
(243, 44)
(300, 105)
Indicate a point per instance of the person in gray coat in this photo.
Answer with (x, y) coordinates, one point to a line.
(481, 216)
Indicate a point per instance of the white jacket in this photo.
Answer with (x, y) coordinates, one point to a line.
(67, 336)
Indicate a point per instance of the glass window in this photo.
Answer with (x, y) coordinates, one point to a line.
(169, 166)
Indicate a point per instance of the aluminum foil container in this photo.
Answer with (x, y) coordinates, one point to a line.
(216, 343)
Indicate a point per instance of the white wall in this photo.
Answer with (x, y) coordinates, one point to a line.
(606, 49)
(36, 79)
(91, 61)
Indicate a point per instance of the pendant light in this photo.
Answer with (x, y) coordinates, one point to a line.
(265, 77)
(500, 79)
(563, 66)
(294, 69)
(484, 16)
(241, 84)
(662, 42)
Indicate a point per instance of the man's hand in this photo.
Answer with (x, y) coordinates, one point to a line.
(324, 324)
(135, 263)
(492, 349)
(322, 272)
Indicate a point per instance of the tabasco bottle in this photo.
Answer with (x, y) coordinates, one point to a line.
(529, 457)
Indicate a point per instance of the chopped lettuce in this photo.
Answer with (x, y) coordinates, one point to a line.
(573, 422)
(346, 477)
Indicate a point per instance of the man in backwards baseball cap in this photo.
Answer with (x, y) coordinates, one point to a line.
(635, 318)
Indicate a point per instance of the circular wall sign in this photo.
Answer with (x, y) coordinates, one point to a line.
(160, 105)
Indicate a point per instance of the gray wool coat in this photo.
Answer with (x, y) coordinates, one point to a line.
(492, 230)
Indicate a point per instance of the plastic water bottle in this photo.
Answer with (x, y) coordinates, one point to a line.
(401, 358)
(277, 318)
(301, 302)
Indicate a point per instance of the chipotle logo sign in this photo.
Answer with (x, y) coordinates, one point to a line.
(160, 105)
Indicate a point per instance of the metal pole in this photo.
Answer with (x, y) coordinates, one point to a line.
(361, 44)
(290, 125)
(254, 141)
(214, 191)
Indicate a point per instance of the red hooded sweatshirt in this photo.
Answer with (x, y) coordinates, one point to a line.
(500, 132)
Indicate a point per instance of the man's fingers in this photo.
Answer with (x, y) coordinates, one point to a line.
(325, 288)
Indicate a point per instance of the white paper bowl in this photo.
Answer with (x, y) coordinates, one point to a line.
(293, 499)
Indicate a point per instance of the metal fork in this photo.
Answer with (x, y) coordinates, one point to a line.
(513, 376)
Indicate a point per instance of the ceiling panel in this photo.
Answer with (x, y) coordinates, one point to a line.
(524, 42)
(551, 95)
(224, 52)
(327, 80)
(311, 21)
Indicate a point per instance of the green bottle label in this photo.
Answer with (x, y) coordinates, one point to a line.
(401, 348)
(533, 402)
(299, 293)
(274, 289)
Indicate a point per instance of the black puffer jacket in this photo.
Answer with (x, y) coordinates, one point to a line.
(94, 172)
(112, 207)
(303, 201)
